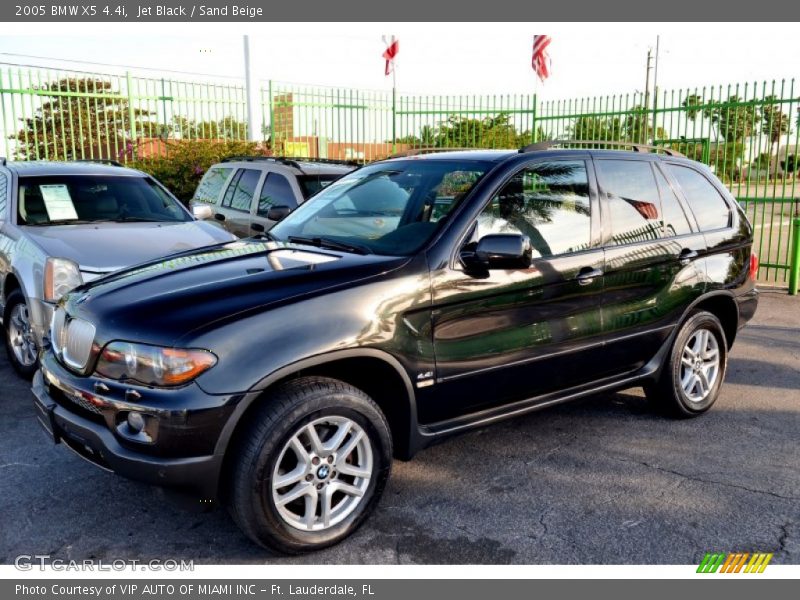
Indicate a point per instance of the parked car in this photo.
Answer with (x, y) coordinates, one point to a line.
(247, 195)
(412, 299)
(62, 224)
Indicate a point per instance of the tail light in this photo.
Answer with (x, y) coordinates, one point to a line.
(753, 270)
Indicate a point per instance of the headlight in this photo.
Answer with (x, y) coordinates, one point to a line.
(153, 365)
(60, 276)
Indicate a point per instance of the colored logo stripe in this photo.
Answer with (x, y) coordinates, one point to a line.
(734, 562)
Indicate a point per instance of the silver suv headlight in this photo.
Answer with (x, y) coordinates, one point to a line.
(61, 275)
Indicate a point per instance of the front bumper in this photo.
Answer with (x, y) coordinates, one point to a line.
(97, 438)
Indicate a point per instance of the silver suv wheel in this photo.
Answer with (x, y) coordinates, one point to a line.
(700, 365)
(20, 335)
(322, 473)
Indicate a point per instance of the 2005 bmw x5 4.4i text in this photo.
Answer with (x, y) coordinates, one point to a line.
(413, 298)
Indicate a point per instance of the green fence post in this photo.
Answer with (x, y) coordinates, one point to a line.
(131, 113)
(271, 118)
(394, 120)
(794, 258)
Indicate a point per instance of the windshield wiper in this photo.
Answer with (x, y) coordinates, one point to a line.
(321, 242)
(61, 222)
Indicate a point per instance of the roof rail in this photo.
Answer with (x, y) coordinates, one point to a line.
(418, 151)
(325, 161)
(291, 161)
(100, 161)
(636, 147)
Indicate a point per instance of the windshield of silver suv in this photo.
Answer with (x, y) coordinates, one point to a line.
(77, 199)
(390, 208)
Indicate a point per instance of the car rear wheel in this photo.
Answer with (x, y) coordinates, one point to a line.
(20, 341)
(311, 465)
(691, 379)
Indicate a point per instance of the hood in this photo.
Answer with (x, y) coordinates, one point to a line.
(165, 300)
(106, 247)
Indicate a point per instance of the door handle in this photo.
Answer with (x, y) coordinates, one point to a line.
(588, 274)
(686, 255)
(219, 217)
(257, 227)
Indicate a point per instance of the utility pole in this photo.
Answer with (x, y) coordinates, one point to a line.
(248, 85)
(646, 106)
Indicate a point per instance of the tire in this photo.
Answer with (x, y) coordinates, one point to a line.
(268, 450)
(19, 336)
(688, 387)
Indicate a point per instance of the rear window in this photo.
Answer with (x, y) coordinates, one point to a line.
(76, 199)
(709, 207)
(633, 200)
(311, 184)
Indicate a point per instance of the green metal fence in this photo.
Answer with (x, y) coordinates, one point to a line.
(748, 133)
(61, 115)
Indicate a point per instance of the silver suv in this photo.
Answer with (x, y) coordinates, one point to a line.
(63, 224)
(247, 195)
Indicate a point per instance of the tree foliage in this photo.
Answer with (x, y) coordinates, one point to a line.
(186, 161)
(78, 118)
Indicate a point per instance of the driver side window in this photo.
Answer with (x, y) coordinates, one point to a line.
(549, 203)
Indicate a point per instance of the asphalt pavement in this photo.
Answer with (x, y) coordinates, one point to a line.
(599, 481)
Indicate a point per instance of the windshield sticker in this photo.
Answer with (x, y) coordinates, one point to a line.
(58, 202)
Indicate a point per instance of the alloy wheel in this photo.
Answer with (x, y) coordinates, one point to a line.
(700, 362)
(20, 334)
(322, 473)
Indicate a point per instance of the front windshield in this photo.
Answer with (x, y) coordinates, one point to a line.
(76, 199)
(389, 208)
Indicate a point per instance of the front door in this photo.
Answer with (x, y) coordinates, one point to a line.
(515, 334)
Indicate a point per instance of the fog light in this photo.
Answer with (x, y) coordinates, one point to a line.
(135, 421)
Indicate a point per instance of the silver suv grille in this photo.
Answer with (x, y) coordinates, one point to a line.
(72, 339)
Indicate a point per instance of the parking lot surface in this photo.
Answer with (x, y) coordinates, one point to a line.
(600, 481)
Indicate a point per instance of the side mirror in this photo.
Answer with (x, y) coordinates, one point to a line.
(501, 251)
(278, 213)
(202, 212)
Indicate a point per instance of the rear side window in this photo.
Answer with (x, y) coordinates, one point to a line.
(276, 191)
(211, 185)
(239, 195)
(549, 203)
(675, 221)
(633, 200)
(709, 207)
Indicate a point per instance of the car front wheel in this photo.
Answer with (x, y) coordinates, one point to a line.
(20, 341)
(311, 465)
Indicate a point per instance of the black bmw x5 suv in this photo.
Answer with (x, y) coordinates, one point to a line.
(411, 299)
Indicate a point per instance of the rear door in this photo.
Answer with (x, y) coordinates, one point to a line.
(652, 248)
(237, 203)
(727, 236)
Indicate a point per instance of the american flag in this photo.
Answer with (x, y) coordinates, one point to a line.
(392, 48)
(541, 59)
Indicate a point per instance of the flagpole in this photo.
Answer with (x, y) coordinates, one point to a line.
(394, 108)
(534, 137)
